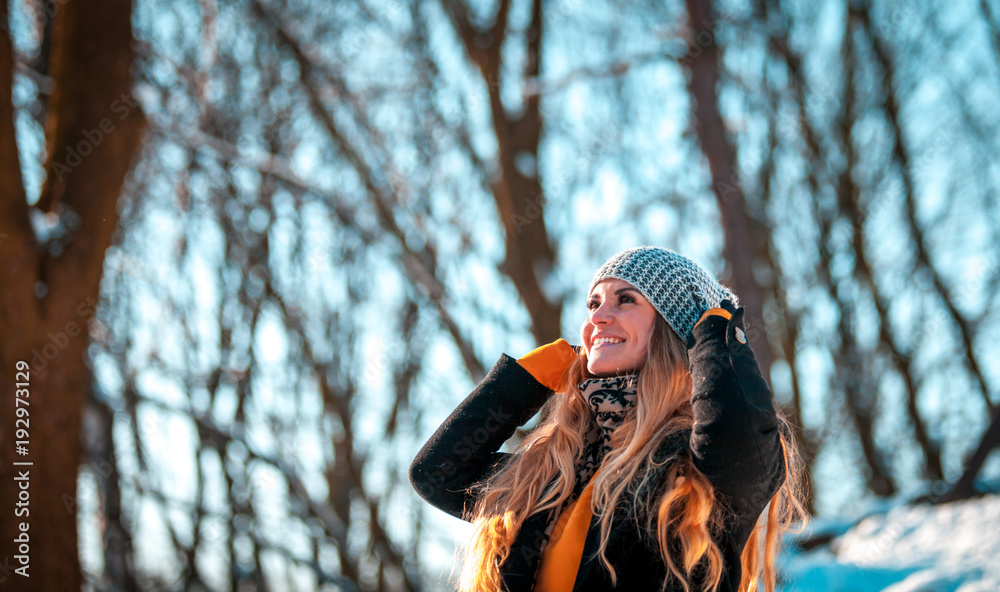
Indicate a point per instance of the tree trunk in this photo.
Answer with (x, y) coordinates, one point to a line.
(517, 191)
(743, 240)
(965, 488)
(49, 285)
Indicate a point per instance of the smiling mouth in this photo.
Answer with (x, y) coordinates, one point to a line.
(606, 341)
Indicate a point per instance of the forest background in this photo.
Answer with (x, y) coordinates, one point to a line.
(255, 251)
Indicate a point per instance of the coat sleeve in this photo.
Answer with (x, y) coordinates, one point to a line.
(463, 451)
(735, 440)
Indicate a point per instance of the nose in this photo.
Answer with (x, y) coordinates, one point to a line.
(601, 315)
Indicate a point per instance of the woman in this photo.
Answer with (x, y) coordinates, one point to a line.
(659, 449)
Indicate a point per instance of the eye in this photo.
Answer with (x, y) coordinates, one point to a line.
(626, 298)
(592, 304)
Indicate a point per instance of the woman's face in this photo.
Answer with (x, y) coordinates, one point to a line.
(616, 333)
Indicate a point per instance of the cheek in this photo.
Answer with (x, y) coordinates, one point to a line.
(643, 338)
(640, 352)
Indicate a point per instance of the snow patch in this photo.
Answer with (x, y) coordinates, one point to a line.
(909, 548)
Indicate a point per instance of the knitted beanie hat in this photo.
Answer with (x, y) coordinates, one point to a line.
(678, 288)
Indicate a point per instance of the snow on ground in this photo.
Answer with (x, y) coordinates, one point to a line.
(909, 548)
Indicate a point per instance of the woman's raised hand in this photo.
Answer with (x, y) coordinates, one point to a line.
(549, 363)
(725, 310)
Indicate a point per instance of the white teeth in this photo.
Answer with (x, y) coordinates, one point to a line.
(601, 340)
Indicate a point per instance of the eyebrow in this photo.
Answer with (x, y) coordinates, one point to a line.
(619, 291)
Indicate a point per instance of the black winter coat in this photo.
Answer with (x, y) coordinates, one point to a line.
(734, 442)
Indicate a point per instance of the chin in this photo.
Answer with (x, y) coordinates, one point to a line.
(607, 369)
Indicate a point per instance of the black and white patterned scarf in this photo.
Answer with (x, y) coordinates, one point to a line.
(610, 399)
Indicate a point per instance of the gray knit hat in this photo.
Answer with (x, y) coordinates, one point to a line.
(679, 289)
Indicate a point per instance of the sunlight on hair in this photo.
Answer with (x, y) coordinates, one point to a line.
(681, 513)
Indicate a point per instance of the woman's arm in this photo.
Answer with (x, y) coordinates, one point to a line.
(735, 440)
(463, 451)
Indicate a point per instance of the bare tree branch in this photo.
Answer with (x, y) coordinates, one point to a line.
(517, 192)
(902, 156)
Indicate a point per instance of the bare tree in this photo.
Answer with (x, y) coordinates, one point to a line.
(53, 254)
(343, 213)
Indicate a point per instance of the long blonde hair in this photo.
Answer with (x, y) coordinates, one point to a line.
(682, 515)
